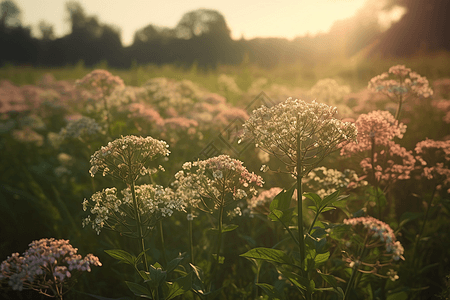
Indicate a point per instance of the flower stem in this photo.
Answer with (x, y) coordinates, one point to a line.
(301, 239)
(375, 181)
(163, 248)
(108, 121)
(350, 281)
(356, 266)
(219, 238)
(191, 243)
(215, 266)
(399, 108)
(138, 225)
(419, 236)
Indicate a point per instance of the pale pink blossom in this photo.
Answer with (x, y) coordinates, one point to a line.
(434, 158)
(375, 128)
(48, 265)
(378, 232)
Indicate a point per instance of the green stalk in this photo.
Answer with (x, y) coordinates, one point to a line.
(163, 248)
(219, 242)
(314, 221)
(400, 102)
(191, 243)
(108, 122)
(355, 268)
(375, 182)
(399, 108)
(419, 236)
(219, 239)
(139, 229)
(352, 277)
(301, 239)
(258, 269)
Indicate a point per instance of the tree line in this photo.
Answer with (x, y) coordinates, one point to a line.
(203, 37)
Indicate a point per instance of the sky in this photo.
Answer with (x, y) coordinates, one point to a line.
(245, 18)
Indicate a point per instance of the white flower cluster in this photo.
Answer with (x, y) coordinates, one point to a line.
(330, 92)
(46, 264)
(179, 95)
(228, 84)
(277, 129)
(84, 128)
(215, 178)
(126, 158)
(117, 212)
(324, 181)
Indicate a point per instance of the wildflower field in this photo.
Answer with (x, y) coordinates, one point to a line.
(170, 188)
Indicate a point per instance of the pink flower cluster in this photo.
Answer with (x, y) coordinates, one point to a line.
(434, 157)
(395, 163)
(28, 136)
(47, 264)
(443, 105)
(100, 83)
(404, 84)
(379, 231)
(377, 127)
(441, 88)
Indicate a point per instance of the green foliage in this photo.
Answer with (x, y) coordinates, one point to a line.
(36, 201)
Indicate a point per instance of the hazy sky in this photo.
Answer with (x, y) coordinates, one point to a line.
(248, 18)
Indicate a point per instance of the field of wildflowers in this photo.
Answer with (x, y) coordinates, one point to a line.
(176, 192)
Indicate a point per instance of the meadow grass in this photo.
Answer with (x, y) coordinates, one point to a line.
(355, 71)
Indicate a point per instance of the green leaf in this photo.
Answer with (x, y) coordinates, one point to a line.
(282, 201)
(281, 216)
(312, 285)
(329, 278)
(296, 279)
(174, 263)
(221, 258)
(157, 275)
(321, 257)
(275, 215)
(104, 298)
(122, 255)
(144, 275)
(197, 271)
(327, 209)
(376, 195)
(313, 208)
(180, 286)
(330, 199)
(268, 254)
(230, 227)
(398, 296)
(408, 217)
(139, 290)
(315, 198)
(226, 228)
(270, 290)
(340, 292)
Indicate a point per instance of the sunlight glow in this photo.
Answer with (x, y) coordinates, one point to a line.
(386, 19)
(250, 19)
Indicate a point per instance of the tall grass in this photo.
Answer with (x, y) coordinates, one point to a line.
(355, 71)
